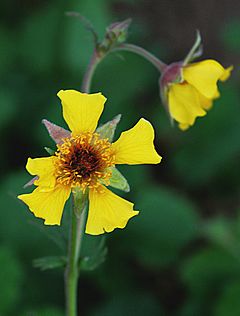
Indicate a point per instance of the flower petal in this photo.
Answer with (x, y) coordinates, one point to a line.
(81, 111)
(205, 103)
(204, 76)
(47, 205)
(226, 74)
(107, 211)
(135, 146)
(184, 104)
(44, 168)
(183, 126)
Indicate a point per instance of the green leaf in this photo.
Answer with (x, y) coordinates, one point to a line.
(107, 130)
(208, 269)
(10, 280)
(229, 303)
(13, 208)
(225, 233)
(164, 226)
(45, 311)
(130, 304)
(94, 253)
(118, 181)
(51, 262)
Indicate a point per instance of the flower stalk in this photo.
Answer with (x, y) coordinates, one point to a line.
(79, 211)
(78, 218)
(87, 79)
(98, 56)
(156, 62)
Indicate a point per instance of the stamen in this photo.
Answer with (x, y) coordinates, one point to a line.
(84, 161)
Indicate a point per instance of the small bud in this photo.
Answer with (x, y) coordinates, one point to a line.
(118, 31)
(116, 34)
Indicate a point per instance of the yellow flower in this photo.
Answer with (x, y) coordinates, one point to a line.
(84, 160)
(190, 90)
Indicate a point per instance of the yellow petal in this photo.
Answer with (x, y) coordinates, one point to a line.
(204, 76)
(217, 95)
(81, 111)
(47, 205)
(183, 127)
(205, 103)
(135, 146)
(107, 211)
(226, 74)
(184, 104)
(44, 169)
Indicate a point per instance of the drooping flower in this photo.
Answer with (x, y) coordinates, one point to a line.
(188, 91)
(86, 161)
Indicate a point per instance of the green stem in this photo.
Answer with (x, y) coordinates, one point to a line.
(87, 79)
(77, 229)
(142, 52)
(79, 209)
(79, 212)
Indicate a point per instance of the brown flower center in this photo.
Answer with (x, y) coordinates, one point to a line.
(84, 161)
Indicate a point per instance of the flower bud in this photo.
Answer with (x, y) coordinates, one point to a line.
(188, 90)
(118, 31)
(116, 34)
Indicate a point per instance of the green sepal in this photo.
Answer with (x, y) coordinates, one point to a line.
(51, 262)
(195, 51)
(80, 201)
(107, 130)
(50, 151)
(118, 181)
(90, 263)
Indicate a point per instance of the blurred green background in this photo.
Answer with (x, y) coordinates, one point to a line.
(181, 255)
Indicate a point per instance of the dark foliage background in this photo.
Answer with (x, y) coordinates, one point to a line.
(181, 256)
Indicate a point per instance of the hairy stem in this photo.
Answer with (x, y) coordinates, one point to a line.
(79, 212)
(142, 52)
(77, 229)
(87, 79)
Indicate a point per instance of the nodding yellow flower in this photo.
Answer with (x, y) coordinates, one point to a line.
(188, 91)
(84, 160)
